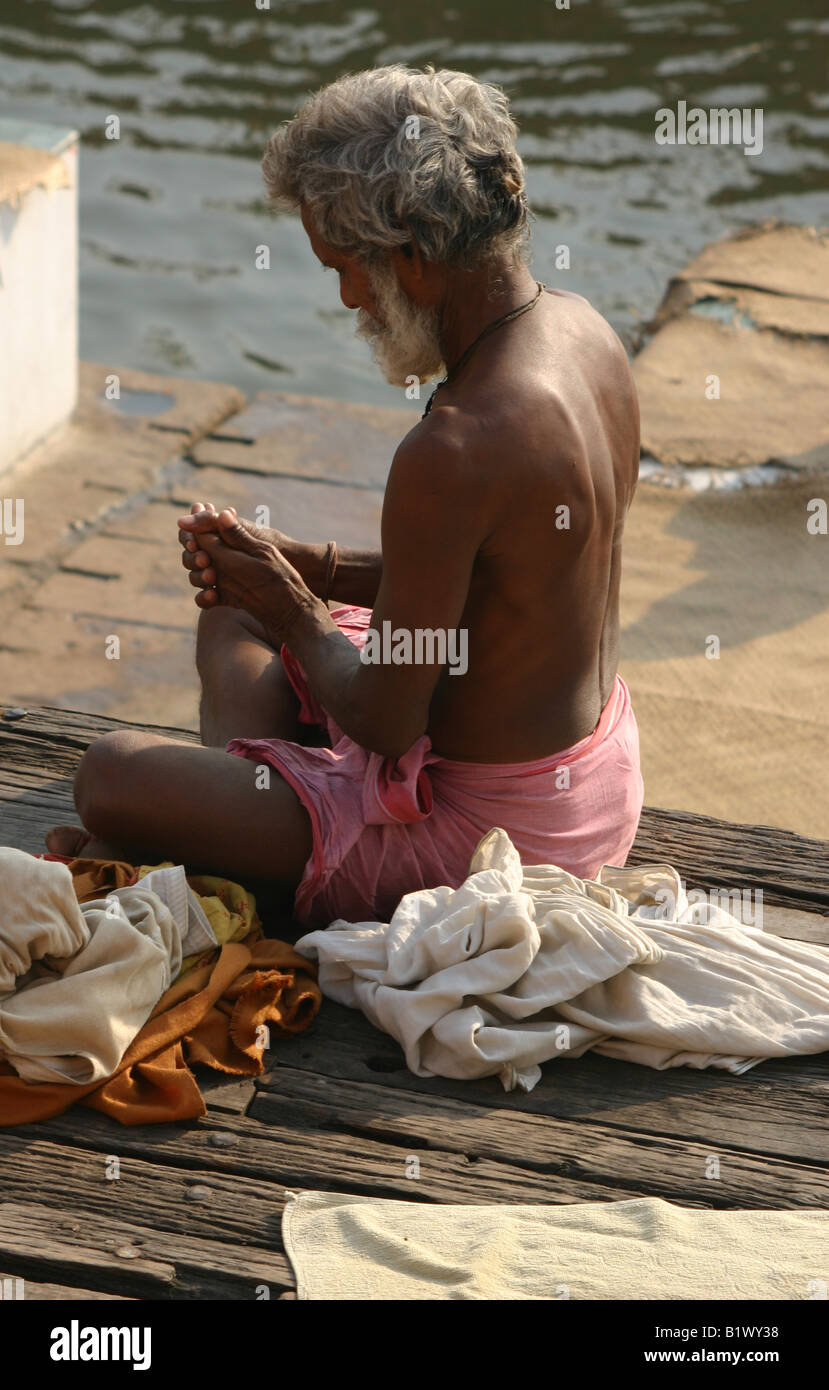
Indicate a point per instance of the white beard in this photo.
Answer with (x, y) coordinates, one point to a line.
(406, 344)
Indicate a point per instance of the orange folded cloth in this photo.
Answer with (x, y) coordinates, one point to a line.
(94, 878)
(222, 1014)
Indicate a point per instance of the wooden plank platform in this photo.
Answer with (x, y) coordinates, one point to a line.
(196, 1211)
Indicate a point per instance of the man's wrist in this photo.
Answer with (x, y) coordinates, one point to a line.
(304, 617)
(314, 566)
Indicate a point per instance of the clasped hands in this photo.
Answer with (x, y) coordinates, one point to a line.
(235, 564)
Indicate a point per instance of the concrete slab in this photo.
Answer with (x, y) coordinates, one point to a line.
(188, 408)
(310, 437)
(764, 768)
(775, 257)
(131, 597)
(152, 522)
(66, 655)
(800, 317)
(101, 458)
(99, 558)
(308, 511)
(23, 168)
(773, 391)
(737, 372)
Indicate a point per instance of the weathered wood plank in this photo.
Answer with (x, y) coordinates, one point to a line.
(227, 1094)
(777, 1108)
(126, 1257)
(634, 1163)
(38, 757)
(24, 827)
(66, 730)
(306, 1130)
(791, 869)
(33, 1242)
(221, 1221)
(62, 1293)
(795, 924)
(289, 1157)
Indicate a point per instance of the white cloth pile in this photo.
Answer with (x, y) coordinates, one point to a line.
(78, 982)
(520, 966)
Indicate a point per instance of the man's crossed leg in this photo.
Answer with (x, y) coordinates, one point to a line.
(144, 797)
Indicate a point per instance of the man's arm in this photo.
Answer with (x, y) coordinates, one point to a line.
(432, 527)
(357, 576)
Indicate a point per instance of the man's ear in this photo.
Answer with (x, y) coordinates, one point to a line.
(409, 257)
(410, 268)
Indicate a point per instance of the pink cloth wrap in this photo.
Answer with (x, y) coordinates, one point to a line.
(385, 827)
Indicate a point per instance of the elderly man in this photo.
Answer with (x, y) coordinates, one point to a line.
(336, 761)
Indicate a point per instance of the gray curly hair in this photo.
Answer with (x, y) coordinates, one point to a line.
(382, 156)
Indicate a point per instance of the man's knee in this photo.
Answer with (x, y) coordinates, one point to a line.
(99, 780)
(218, 629)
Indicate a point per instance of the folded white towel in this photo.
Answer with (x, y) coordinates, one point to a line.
(349, 1247)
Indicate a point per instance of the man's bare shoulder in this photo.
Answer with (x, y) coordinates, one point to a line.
(441, 446)
(492, 425)
(436, 468)
(578, 309)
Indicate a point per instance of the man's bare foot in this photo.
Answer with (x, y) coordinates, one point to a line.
(73, 842)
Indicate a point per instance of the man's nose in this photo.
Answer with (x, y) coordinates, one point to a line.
(348, 298)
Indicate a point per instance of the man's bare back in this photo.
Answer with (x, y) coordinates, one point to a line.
(545, 414)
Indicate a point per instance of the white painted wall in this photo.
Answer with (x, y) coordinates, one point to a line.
(38, 299)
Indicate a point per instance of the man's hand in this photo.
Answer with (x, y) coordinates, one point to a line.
(308, 560)
(249, 572)
(203, 517)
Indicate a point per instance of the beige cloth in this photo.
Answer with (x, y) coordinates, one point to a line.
(344, 1247)
(76, 982)
(518, 967)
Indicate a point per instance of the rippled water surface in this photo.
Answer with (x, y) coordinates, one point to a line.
(172, 212)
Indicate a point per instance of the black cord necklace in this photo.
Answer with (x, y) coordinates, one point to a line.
(490, 328)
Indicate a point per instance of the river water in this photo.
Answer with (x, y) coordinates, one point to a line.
(171, 213)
